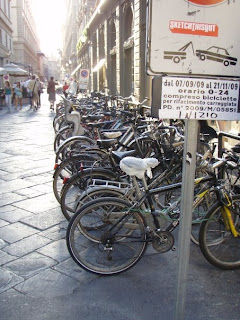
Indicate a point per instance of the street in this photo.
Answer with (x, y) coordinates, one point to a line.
(39, 280)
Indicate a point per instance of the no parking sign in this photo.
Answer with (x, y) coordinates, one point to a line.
(6, 77)
(84, 78)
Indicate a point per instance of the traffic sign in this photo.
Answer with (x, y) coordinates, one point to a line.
(194, 37)
(84, 73)
(84, 79)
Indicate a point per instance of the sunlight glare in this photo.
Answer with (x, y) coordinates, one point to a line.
(49, 16)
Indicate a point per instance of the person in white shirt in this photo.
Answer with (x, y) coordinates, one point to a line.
(73, 87)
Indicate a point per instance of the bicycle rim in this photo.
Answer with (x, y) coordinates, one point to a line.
(67, 169)
(217, 243)
(72, 190)
(97, 246)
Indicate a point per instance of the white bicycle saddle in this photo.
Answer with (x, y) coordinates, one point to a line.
(137, 167)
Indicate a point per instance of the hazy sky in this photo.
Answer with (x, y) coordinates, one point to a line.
(49, 16)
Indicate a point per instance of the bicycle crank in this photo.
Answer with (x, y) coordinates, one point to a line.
(162, 241)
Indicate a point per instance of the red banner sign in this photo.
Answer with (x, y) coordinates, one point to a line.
(206, 2)
(195, 28)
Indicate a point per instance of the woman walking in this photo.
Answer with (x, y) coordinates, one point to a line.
(8, 95)
(51, 92)
(18, 95)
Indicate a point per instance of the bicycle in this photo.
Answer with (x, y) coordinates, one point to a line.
(220, 231)
(109, 235)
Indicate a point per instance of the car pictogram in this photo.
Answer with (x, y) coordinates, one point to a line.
(216, 54)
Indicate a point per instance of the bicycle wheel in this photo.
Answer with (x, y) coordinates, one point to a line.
(96, 193)
(200, 208)
(67, 169)
(59, 123)
(73, 146)
(78, 183)
(217, 243)
(100, 243)
(61, 136)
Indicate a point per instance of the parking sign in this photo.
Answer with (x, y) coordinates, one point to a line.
(84, 78)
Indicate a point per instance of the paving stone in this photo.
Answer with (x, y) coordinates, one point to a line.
(30, 192)
(15, 185)
(45, 220)
(4, 156)
(41, 178)
(3, 173)
(38, 179)
(5, 257)
(2, 243)
(10, 198)
(43, 163)
(8, 280)
(71, 269)
(41, 285)
(54, 233)
(16, 231)
(3, 223)
(10, 169)
(39, 204)
(41, 170)
(12, 176)
(27, 245)
(44, 188)
(57, 250)
(13, 214)
(30, 265)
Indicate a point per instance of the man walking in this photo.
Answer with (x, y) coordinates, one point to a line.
(33, 91)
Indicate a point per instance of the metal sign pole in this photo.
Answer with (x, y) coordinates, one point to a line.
(187, 193)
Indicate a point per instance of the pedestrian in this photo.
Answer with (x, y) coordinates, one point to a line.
(8, 95)
(51, 92)
(33, 92)
(73, 87)
(18, 95)
(40, 91)
(65, 89)
(13, 92)
(28, 93)
(2, 97)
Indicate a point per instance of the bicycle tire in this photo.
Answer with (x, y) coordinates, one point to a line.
(61, 136)
(71, 146)
(67, 169)
(217, 244)
(79, 183)
(96, 193)
(59, 123)
(101, 250)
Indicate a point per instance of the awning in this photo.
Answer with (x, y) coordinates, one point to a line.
(99, 65)
(76, 69)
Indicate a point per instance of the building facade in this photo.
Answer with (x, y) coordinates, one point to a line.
(70, 37)
(6, 32)
(25, 39)
(112, 46)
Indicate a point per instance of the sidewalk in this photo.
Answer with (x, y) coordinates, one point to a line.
(39, 280)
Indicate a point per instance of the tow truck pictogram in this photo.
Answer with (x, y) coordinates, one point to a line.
(177, 56)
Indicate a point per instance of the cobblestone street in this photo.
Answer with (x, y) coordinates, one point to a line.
(39, 280)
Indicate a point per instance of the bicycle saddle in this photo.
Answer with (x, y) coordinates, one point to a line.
(137, 167)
